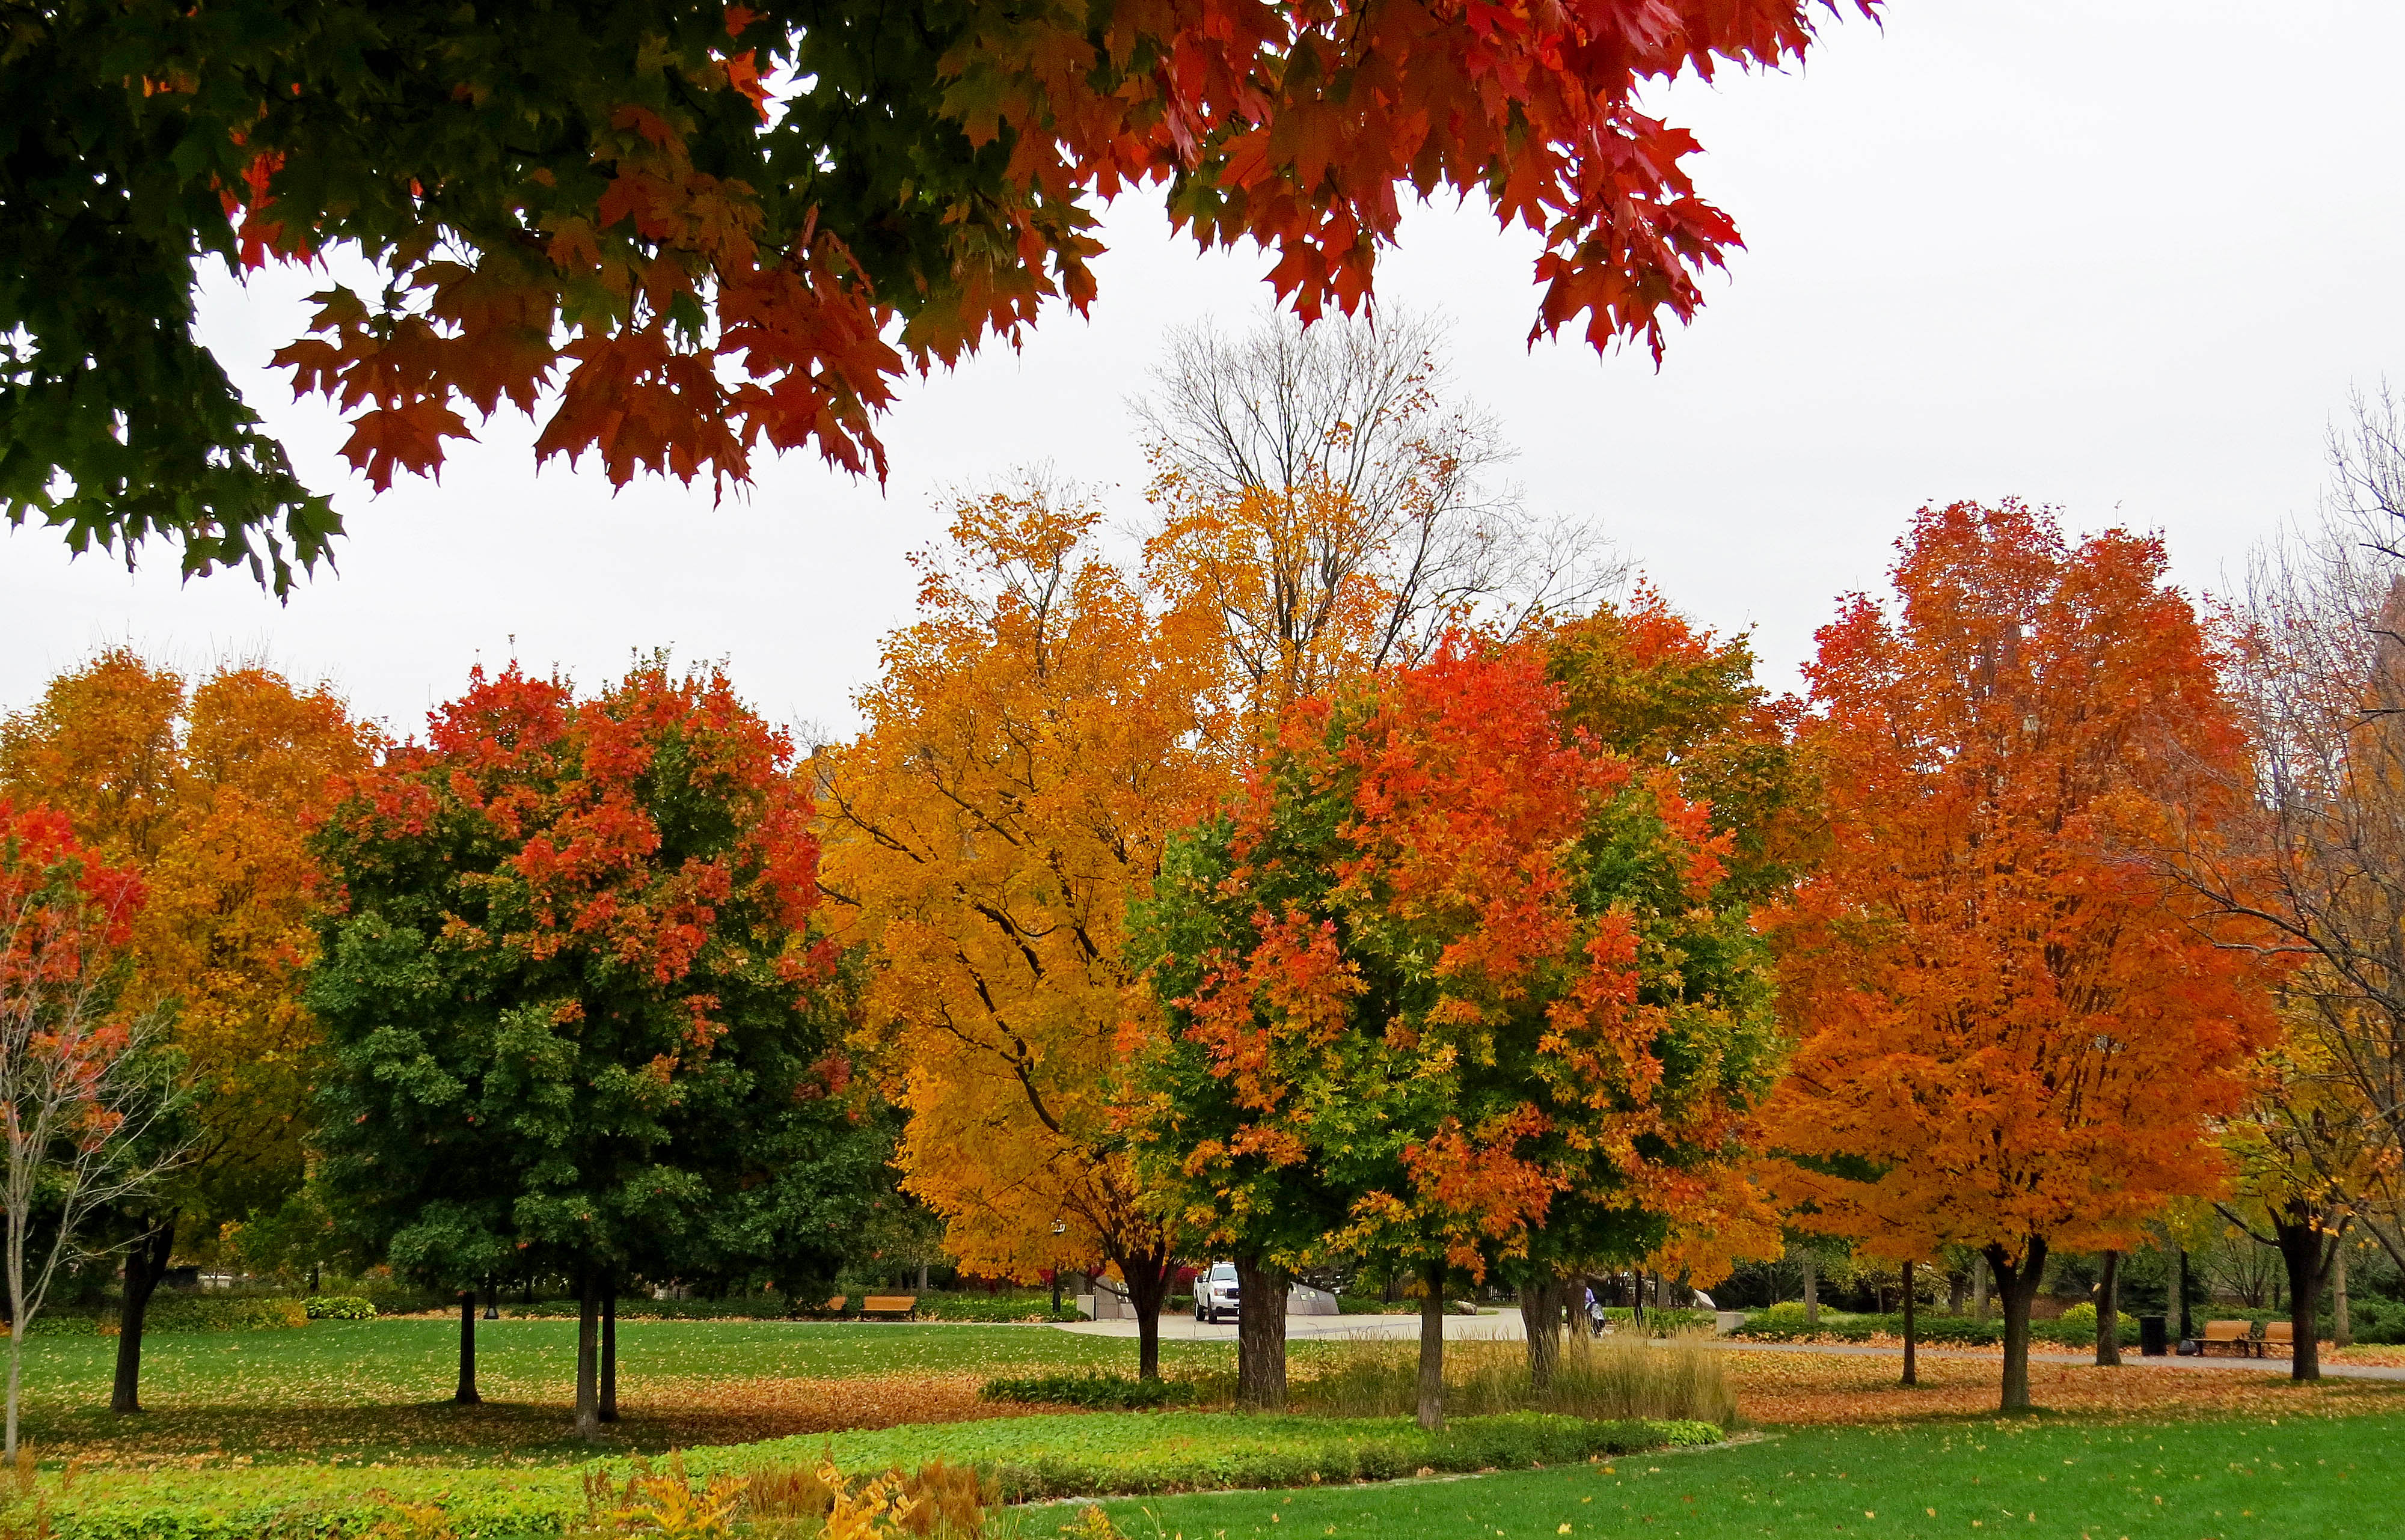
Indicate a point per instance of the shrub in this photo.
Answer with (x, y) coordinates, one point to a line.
(2079, 1316)
(1778, 1324)
(1095, 1392)
(201, 1313)
(339, 1307)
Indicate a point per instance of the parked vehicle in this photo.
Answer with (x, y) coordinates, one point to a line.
(1215, 1293)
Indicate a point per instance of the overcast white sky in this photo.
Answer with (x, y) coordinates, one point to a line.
(2125, 257)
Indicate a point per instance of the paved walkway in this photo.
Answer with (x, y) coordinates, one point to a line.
(1504, 1326)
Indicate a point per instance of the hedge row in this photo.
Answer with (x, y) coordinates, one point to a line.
(1069, 1455)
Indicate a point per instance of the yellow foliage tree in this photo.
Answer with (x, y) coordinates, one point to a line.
(1032, 739)
(209, 794)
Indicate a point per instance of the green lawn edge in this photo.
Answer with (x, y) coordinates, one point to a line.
(1032, 1458)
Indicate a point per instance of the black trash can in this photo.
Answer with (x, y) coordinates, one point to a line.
(2154, 1336)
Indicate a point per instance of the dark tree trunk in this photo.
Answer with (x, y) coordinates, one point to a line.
(1431, 1386)
(146, 1264)
(608, 1410)
(1811, 1264)
(313, 1278)
(2108, 1310)
(1911, 1362)
(466, 1394)
(1956, 1286)
(1636, 1300)
(1056, 1290)
(2016, 1288)
(2307, 1253)
(2186, 1326)
(588, 1381)
(1260, 1335)
(1541, 1305)
(1148, 1277)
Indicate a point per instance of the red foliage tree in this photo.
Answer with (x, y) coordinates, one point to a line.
(2014, 1027)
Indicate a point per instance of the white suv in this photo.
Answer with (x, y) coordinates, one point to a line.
(1215, 1292)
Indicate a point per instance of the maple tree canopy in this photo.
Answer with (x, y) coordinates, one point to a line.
(687, 230)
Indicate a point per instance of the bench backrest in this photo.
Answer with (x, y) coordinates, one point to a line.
(884, 1302)
(2226, 1331)
(2279, 1331)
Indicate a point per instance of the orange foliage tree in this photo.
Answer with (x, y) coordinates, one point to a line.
(1032, 742)
(207, 794)
(2015, 1030)
(1445, 962)
(693, 230)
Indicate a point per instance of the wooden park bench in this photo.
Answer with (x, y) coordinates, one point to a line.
(2277, 1334)
(2235, 1335)
(904, 1305)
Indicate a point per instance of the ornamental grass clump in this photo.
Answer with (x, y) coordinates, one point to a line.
(1609, 1379)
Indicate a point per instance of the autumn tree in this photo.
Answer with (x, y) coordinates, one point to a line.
(682, 239)
(2307, 1158)
(2015, 1028)
(1448, 960)
(205, 792)
(577, 1013)
(1032, 740)
(82, 1086)
(2316, 668)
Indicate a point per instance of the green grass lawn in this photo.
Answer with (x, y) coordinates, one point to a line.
(2040, 1477)
(379, 1390)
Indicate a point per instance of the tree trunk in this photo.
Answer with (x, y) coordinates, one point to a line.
(2307, 1255)
(1147, 1284)
(466, 1394)
(1540, 1321)
(2016, 1286)
(588, 1332)
(1979, 1288)
(1811, 1264)
(2186, 1326)
(146, 1264)
(1431, 1388)
(1911, 1361)
(922, 1277)
(1956, 1286)
(608, 1408)
(1637, 1299)
(1260, 1335)
(1056, 1290)
(2108, 1310)
(2342, 1329)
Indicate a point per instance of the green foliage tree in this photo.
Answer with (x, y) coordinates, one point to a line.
(1447, 963)
(578, 1018)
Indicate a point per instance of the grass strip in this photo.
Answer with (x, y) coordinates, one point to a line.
(1066, 1455)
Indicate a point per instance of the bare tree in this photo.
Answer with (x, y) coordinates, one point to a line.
(1315, 484)
(2318, 669)
(82, 1094)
